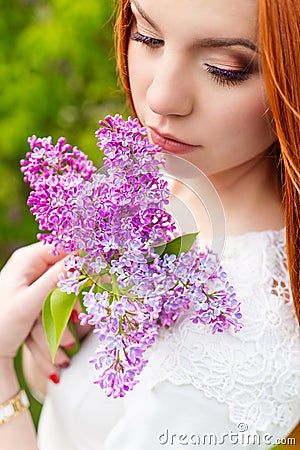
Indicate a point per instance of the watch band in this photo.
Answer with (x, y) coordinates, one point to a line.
(13, 407)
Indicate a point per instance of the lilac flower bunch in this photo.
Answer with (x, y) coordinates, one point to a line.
(56, 175)
(127, 264)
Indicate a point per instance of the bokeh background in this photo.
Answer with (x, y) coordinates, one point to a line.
(58, 78)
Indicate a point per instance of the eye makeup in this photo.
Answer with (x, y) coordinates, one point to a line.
(226, 77)
(147, 40)
(223, 77)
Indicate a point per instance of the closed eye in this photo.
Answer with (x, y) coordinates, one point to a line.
(147, 40)
(227, 77)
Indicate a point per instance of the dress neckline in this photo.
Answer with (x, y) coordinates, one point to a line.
(257, 233)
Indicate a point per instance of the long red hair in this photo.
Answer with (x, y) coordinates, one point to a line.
(279, 34)
(122, 35)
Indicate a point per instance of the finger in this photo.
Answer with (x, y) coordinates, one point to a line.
(42, 261)
(46, 367)
(39, 289)
(42, 358)
(22, 306)
(82, 330)
(32, 261)
(36, 380)
(39, 336)
(67, 340)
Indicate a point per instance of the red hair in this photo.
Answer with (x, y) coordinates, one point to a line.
(279, 32)
(280, 56)
(122, 35)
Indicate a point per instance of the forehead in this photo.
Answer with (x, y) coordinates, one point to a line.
(202, 18)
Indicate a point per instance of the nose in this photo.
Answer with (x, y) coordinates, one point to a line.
(170, 90)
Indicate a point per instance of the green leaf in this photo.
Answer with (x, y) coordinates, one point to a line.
(56, 313)
(49, 324)
(61, 305)
(181, 244)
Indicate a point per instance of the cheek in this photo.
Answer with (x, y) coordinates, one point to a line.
(245, 121)
(138, 79)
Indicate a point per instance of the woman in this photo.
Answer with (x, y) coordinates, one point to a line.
(209, 80)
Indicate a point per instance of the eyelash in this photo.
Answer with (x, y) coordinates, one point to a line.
(226, 77)
(146, 40)
(223, 77)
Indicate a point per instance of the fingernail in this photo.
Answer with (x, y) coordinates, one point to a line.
(67, 346)
(54, 378)
(64, 365)
(74, 316)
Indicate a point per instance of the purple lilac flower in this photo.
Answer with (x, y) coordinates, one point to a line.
(113, 221)
(56, 174)
(46, 159)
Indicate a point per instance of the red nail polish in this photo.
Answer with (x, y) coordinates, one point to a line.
(74, 316)
(64, 365)
(67, 346)
(54, 378)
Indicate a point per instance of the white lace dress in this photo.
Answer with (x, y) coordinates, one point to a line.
(199, 390)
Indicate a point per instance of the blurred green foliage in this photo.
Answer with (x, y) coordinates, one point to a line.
(58, 78)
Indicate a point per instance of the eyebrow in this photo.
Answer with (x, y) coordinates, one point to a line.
(205, 42)
(225, 42)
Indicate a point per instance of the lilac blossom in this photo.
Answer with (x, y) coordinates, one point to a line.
(111, 222)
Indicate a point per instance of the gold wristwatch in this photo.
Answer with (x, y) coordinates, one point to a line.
(13, 407)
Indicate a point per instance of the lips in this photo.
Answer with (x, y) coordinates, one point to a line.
(170, 144)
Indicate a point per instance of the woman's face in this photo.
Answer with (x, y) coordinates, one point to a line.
(195, 80)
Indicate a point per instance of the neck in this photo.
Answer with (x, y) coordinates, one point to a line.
(251, 197)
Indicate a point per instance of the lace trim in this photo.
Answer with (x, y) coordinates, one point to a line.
(255, 372)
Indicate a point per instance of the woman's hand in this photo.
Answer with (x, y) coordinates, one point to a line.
(37, 345)
(25, 281)
(37, 363)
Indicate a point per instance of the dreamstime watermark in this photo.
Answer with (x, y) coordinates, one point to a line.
(242, 436)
